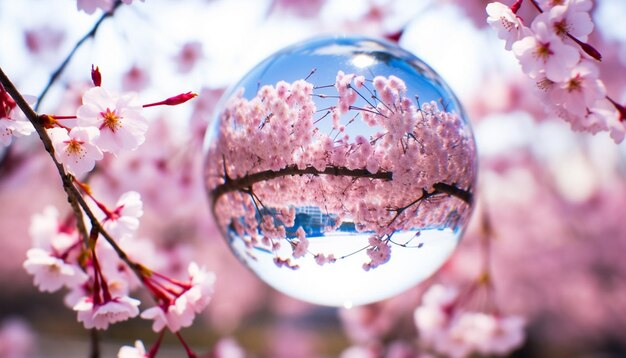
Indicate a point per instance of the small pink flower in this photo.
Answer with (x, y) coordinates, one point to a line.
(119, 118)
(99, 316)
(138, 351)
(508, 26)
(13, 123)
(51, 273)
(580, 90)
(189, 55)
(76, 150)
(90, 6)
(571, 18)
(302, 245)
(43, 39)
(180, 310)
(124, 219)
(135, 79)
(545, 52)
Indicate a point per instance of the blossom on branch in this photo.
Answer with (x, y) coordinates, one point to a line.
(124, 219)
(13, 123)
(138, 351)
(449, 330)
(76, 149)
(178, 302)
(100, 315)
(51, 273)
(119, 118)
(508, 26)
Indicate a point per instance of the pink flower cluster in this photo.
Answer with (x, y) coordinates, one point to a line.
(271, 152)
(90, 6)
(448, 330)
(13, 123)
(100, 283)
(553, 52)
(106, 122)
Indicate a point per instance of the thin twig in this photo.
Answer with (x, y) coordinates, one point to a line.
(57, 73)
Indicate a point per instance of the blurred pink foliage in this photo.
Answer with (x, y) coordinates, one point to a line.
(554, 199)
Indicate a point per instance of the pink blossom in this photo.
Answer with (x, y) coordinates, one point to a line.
(17, 339)
(188, 56)
(302, 245)
(135, 79)
(76, 150)
(43, 39)
(12, 120)
(202, 287)
(228, 348)
(51, 273)
(179, 311)
(119, 118)
(453, 332)
(175, 316)
(90, 6)
(124, 219)
(571, 18)
(580, 90)
(48, 233)
(138, 351)
(545, 52)
(508, 26)
(379, 253)
(99, 316)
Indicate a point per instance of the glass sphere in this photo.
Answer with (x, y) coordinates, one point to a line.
(341, 170)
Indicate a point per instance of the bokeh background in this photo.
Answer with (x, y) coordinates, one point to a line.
(556, 199)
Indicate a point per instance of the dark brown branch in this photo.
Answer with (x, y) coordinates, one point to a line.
(248, 181)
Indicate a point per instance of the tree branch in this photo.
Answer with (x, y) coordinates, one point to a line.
(74, 197)
(292, 170)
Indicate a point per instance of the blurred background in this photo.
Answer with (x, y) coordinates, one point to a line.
(555, 199)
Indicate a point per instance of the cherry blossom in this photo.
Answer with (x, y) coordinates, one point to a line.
(101, 315)
(17, 338)
(12, 120)
(179, 304)
(508, 26)
(124, 219)
(580, 90)
(76, 150)
(51, 273)
(228, 348)
(137, 351)
(273, 139)
(571, 18)
(545, 51)
(452, 331)
(119, 118)
(90, 6)
(189, 55)
(43, 39)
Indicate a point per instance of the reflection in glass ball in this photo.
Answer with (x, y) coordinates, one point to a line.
(341, 170)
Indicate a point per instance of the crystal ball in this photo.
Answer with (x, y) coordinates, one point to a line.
(341, 170)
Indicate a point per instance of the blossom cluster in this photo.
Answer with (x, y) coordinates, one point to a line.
(13, 123)
(453, 332)
(553, 52)
(99, 282)
(90, 6)
(271, 154)
(96, 254)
